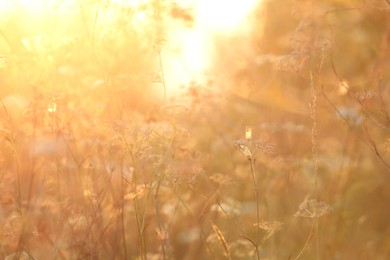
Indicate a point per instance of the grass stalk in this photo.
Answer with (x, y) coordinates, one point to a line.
(313, 112)
(12, 140)
(123, 218)
(317, 240)
(252, 165)
(307, 241)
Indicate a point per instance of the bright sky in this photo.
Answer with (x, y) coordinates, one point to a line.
(188, 53)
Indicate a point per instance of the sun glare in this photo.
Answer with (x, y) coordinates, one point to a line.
(188, 55)
(191, 49)
(32, 6)
(131, 3)
(223, 14)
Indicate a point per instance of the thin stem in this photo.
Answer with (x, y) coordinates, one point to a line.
(254, 244)
(138, 227)
(123, 219)
(307, 241)
(142, 221)
(162, 76)
(313, 112)
(252, 164)
(317, 239)
(159, 221)
(12, 140)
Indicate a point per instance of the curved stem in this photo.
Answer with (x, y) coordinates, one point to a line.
(307, 241)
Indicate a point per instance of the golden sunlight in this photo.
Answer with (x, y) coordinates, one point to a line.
(130, 3)
(33, 6)
(189, 57)
(223, 15)
(188, 53)
(194, 129)
(248, 133)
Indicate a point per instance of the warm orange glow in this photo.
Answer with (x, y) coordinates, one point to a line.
(248, 133)
(343, 88)
(194, 129)
(187, 55)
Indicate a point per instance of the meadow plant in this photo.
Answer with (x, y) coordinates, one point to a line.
(102, 156)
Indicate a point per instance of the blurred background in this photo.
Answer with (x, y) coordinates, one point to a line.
(123, 128)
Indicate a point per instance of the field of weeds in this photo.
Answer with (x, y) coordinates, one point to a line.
(143, 130)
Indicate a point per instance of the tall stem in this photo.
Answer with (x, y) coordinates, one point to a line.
(252, 164)
(123, 218)
(162, 76)
(317, 240)
(313, 113)
(11, 139)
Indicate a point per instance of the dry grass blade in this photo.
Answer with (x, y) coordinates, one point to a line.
(222, 240)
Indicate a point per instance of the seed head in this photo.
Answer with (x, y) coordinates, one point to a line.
(313, 209)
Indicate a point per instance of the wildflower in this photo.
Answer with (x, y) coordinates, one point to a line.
(241, 144)
(270, 228)
(196, 173)
(365, 95)
(91, 196)
(250, 147)
(313, 209)
(52, 104)
(136, 192)
(176, 173)
(78, 222)
(293, 61)
(220, 179)
(52, 107)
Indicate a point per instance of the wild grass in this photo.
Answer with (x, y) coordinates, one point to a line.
(285, 153)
